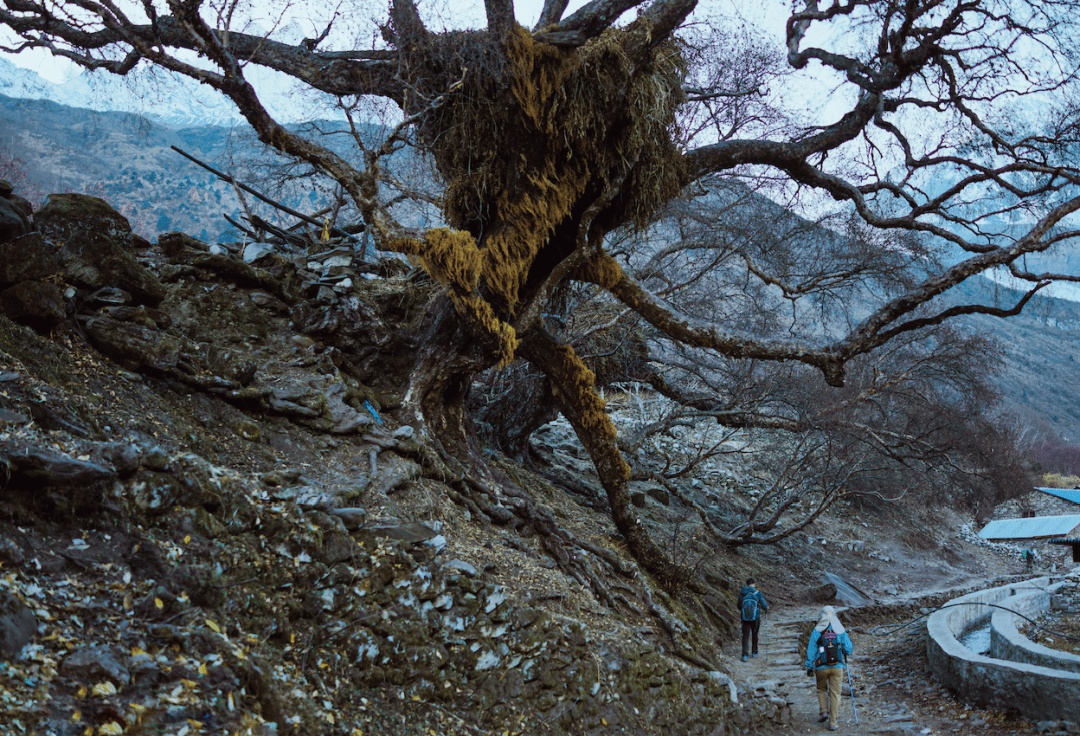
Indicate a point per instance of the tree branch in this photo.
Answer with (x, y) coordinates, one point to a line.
(337, 73)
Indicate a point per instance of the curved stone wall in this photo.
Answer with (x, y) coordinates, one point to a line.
(1036, 691)
(1006, 641)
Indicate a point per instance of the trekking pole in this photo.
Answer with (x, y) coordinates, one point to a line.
(852, 689)
(765, 623)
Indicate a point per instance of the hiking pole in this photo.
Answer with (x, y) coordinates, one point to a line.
(852, 689)
(765, 623)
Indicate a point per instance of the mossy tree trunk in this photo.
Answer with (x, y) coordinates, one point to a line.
(573, 386)
(449, 355)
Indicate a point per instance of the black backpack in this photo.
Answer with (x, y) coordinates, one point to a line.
(829, 648)
(749, 607)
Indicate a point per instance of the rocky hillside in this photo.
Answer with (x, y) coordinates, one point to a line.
(211, 521)
(1040, 348)
(209, 526)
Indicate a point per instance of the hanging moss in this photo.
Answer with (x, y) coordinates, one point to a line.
(582, 395)
(504, 336)
(533, 137)
(601, 269)
(528, 142)
(451, 257)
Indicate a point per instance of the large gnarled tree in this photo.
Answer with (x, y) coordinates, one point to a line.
(549, 140)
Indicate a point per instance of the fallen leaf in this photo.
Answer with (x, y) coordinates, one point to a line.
(104, 688)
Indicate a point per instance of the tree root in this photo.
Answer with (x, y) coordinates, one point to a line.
(577, 488)
(572, 555)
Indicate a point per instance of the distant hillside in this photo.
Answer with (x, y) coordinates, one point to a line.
(127, 159)
(1042, 356)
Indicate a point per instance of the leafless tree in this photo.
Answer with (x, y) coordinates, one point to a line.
(549, 140)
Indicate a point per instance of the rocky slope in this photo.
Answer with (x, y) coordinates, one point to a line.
(208, 524)
(209, 527)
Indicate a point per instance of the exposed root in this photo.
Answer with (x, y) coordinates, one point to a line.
(576, 557)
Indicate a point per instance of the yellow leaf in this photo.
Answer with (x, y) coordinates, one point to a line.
(112, 728)
(187, 539)
(202, 668)
(89, 731)
(82, 692)
(137, 650)
(104, 688)
(76, 716)
(159, 603)
(213, 627)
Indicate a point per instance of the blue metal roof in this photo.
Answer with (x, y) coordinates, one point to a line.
(1035, 527)
(1069, 494)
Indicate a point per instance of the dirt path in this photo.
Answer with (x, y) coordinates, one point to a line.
(894, 695)
(781, 659)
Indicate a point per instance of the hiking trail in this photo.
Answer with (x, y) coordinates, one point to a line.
(780, 660)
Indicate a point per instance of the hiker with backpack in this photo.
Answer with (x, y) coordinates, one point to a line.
(826, 657)
(751, 606)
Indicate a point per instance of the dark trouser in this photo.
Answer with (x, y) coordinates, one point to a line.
(749, 628)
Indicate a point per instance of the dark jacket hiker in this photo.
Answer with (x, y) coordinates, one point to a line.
(752, 606)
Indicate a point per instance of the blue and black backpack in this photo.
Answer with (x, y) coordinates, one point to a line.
(750, 607)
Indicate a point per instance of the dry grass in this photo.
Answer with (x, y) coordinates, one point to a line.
(1057, 480)
(1057, 630)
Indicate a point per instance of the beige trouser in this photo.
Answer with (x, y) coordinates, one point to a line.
(829, 680)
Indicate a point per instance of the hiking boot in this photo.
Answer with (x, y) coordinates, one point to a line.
(822, 717)
(833, 727)
(744, 658)
(754, 654)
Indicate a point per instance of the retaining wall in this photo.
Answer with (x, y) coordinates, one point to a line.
(1036, 691)
(1006, 641)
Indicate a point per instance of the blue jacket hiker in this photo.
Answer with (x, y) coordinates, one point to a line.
(826, 657)
(751, 607)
